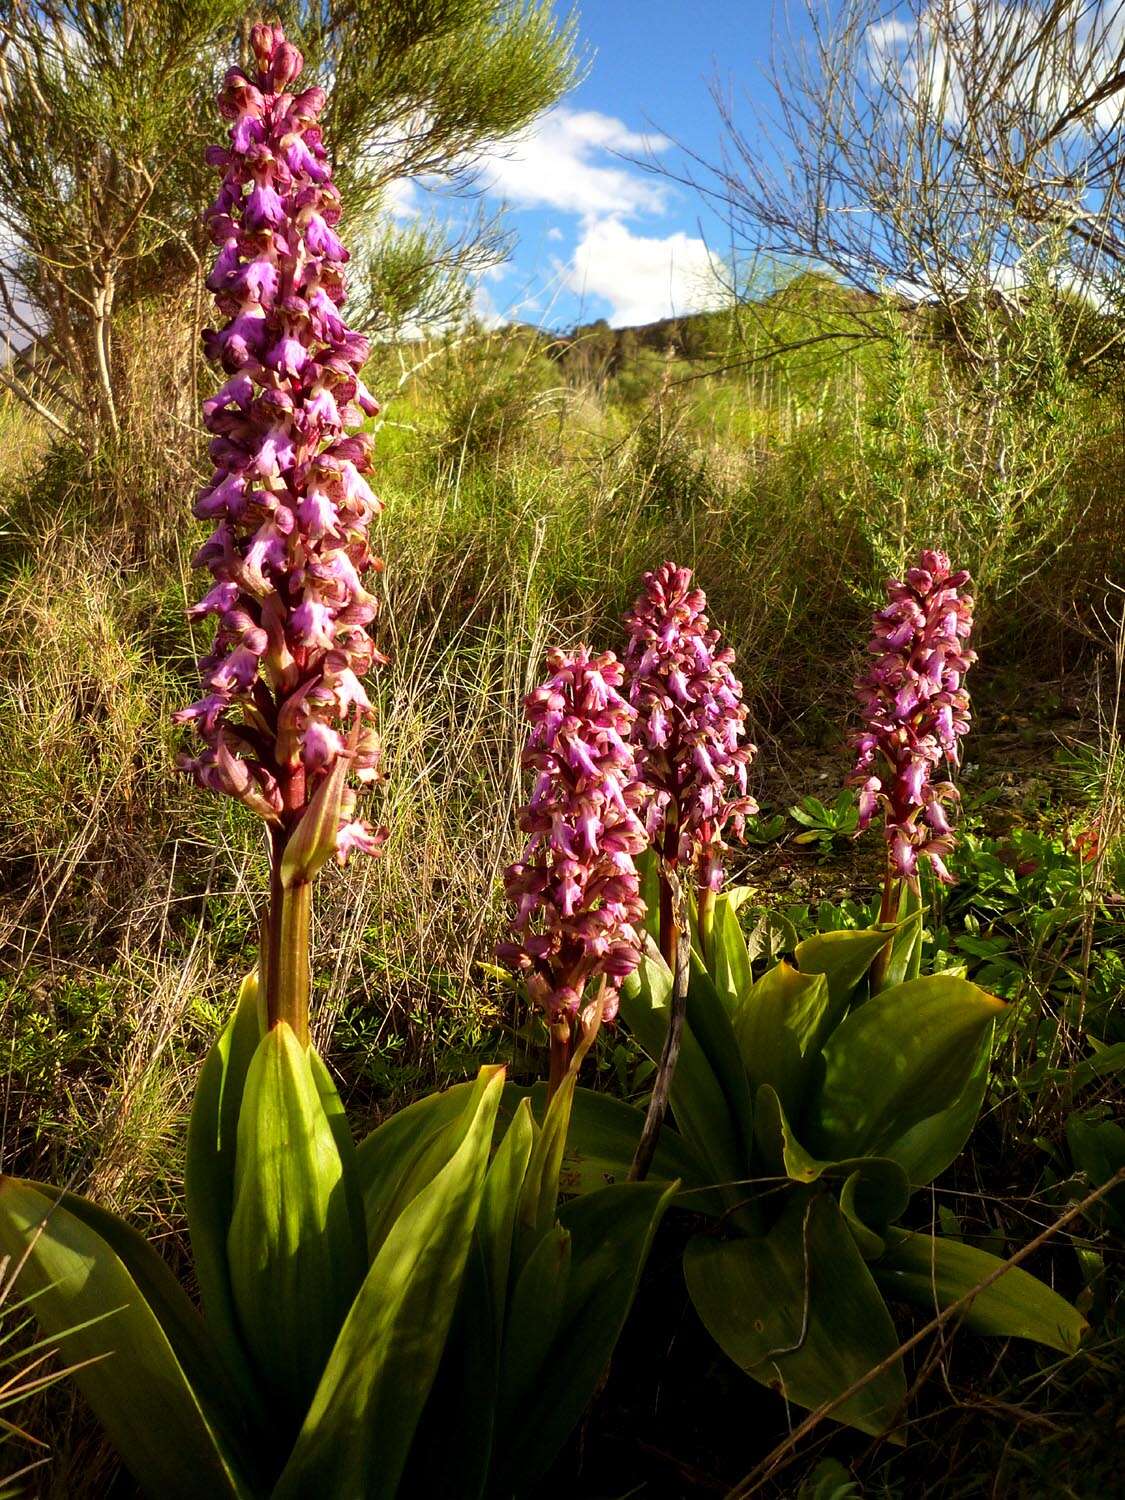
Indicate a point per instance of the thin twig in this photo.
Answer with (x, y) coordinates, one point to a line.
(658, 1103)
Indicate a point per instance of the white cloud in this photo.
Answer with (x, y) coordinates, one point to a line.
(402, 198)
(485, 310)
(643, 277)
(565, 162)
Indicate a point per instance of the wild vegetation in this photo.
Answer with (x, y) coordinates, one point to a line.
(794, 450)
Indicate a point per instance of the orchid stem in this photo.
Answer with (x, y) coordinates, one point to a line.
(287, 966)
(680, 946)
(888, 912)
(562, 1045)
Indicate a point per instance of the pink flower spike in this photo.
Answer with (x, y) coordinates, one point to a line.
(290, 506)
(690, 720)
(576, 891)
(916, 711)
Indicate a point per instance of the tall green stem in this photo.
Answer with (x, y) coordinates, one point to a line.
(704, 920)
(888, 912)
(287, 959)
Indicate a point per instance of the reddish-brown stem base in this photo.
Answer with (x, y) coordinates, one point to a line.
(888, 913)
(562, 1046)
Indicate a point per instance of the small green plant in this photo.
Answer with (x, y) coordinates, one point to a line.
(825, 823)
(761, 830)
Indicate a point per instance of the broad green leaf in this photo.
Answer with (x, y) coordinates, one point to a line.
(452, 1449)
(844, 958)
(405, 1154)
(730, 960)
(499, 1208)
(885, 1191)
(385, 1157)
(799, 1312)
(535, 1313)
(611, 1232)
(358, 1433)
(602, 1141)
(698, 1102)
(926, 1149)
(209, 1170)
(934, 1272)
(334, 1113)
(778, 1024)
(710, 1024)
(172, 1428)
(905, 1054)
(296, 1252)
(860, 1215)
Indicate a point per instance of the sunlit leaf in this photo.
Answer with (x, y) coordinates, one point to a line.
(296, 1250)
(154, 1378)
(357, 1436)
(798, 1311)
(934, 1273)
(904, 1055)
(778, 1024)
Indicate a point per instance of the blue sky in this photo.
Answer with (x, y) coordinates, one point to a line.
(597, 236)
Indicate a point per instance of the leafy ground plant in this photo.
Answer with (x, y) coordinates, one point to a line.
(824, 823)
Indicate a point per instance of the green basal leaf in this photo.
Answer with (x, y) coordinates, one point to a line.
(357, 1436)
(602, 1141)
(404, 1154)
(904, 1055)
(610, 1233)
(711, 1026)
(452, 1449)
(534, 1315)
(209, 1170)
(885, 1190)
(778, 1024)
(934, 1272)
(154, 1377)
(700, 1106)
(844, 958)
(858, 1212)
(296, 1251)
(926, 1149)
(799, 1312)
(499, 1209)
(334, 1113)
(730, 960)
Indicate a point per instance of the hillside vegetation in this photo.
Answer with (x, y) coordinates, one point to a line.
(792, 452)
